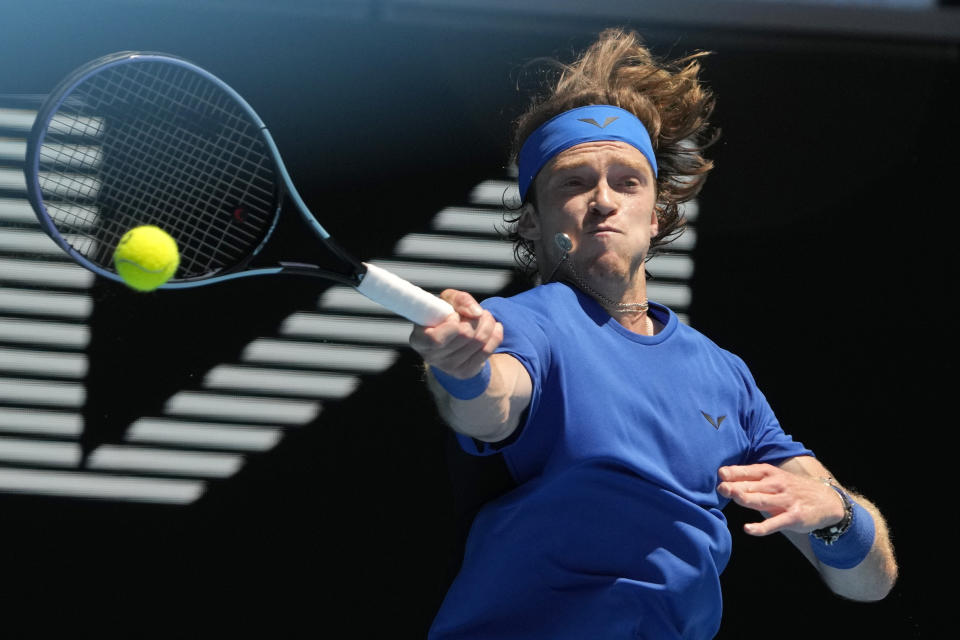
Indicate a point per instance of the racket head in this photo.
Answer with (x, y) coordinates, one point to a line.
(142, 138)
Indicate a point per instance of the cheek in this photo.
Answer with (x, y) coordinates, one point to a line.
(561, 218)
(651, 205)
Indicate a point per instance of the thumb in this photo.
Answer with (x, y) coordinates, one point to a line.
(463, 303)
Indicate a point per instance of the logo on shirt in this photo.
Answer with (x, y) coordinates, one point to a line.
(597, 124)
(716, 423)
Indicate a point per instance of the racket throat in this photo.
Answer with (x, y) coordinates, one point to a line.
(305, 269)
(353, 273)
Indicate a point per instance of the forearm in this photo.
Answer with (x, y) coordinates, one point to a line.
(871, 579)
(850, 548)
(494, 414)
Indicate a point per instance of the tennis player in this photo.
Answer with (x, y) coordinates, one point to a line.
(626, 431)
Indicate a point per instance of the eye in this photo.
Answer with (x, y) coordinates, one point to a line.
(572, 181)
(633, 181)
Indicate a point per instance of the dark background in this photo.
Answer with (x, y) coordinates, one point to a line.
(823, 259)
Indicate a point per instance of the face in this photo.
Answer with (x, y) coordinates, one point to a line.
(602, 195)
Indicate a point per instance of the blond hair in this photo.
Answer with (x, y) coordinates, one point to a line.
(666, 96)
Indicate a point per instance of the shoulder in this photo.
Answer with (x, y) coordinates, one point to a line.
(542, 301)
(720, 357)
(531, 323)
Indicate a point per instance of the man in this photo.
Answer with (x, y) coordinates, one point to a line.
(626, 431)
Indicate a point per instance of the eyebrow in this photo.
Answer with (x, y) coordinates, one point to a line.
(566, 164)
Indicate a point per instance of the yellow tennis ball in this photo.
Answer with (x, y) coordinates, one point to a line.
(146, 257)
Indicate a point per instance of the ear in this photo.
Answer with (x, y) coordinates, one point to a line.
(528, 225)
(654, 223)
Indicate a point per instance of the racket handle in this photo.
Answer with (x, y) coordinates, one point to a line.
(403, 297)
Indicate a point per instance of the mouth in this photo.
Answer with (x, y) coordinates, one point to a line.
(602, 230)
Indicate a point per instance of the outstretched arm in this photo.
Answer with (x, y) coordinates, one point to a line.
(795, 501)
(478, 392)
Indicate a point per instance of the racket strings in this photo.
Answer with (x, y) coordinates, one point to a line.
(157, 143)
(181, 191)
(170, 151)
(129, 198)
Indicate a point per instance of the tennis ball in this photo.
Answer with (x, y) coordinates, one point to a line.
(146, 257)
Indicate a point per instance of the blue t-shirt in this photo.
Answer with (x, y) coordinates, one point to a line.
(615, 529)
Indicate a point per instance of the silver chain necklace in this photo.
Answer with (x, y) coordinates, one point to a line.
(564, 243)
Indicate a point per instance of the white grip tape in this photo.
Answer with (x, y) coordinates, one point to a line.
(402, 297)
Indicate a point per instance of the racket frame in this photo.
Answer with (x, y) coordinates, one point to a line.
(62, 92)
(395, 293)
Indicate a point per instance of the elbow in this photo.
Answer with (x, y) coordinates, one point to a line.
(491, 430)
(870, 593)
(873, 587)
(881, 587)
(490, 425)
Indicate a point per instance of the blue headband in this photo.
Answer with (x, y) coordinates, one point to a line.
(583, 124)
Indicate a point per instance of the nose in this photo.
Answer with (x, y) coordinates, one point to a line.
(603, 203)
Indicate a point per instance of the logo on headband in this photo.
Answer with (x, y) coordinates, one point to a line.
(597, 124)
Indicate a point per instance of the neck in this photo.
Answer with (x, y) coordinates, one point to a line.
(642, 323)
(630, 308)
(629, 303)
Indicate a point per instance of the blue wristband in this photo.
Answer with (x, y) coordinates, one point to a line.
(464, 389)
(852, 546)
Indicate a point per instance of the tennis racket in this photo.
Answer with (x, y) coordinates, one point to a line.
(138, 138)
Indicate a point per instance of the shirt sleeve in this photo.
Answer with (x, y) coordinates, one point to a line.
(524, 339)
(769, 443)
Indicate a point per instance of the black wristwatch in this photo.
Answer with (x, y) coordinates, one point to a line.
(829, 535)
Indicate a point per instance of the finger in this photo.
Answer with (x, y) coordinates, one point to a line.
(487, 349)
(772, 524)
(483, 328)
(422, 337)
(744, 487)
(427, 339)
(768, 502)
(735, 473)
(471, 358)
(496, 339)
(458, 346)
(463, 355)
(463, 303)
(420, 341)
(459, 352)
(455, 332)
(473, 364)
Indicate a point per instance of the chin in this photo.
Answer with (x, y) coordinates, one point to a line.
(607, 267)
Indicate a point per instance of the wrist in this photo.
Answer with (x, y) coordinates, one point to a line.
(845, 544)
(842, 521)
(463, 388)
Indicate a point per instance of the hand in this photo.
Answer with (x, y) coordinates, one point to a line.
(463, 342)
(791, 502)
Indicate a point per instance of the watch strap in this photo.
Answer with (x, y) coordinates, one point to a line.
(832, 533)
